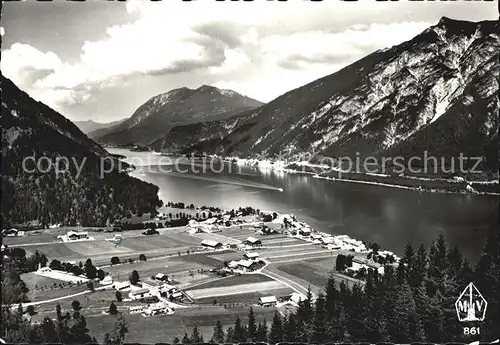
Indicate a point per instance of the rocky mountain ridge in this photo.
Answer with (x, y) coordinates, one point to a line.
(152, 120)
(437, 92)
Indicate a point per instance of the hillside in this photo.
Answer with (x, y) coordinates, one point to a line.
(437, 92)
(91, 126)
(152, 120)
(78, 194)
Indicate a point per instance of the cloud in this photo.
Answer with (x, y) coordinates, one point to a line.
(261, 49)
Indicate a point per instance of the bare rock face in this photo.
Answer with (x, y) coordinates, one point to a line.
(437, 92)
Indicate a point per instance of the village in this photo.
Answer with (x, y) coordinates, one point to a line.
(220, 264)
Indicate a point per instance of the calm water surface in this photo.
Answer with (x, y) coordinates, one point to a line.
(388, 216)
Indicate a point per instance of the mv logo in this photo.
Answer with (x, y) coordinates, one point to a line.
(471, 305)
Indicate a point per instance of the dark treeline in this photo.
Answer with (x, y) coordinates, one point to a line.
(412, 302)
(67, 328)
(87, 200)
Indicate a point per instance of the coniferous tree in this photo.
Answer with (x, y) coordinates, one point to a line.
(195, 336)
(252, 325)
(405, 324)
(230, 335)
(239, 335)
(371, 312)
(419, 268)
(276, 332)
(487, 280)
(318, 334)
(185, 339)
(290, 329)
(262, 331)
(305, 315)
(356, 308)
(218, 335)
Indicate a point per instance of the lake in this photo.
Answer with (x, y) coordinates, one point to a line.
(388, 216)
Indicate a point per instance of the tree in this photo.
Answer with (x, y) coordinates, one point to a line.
(185, 339)
(89, 269)
(262, 331)
(121, 329)
(176, 341)
(113, 310)
(276, 333)
(229, 335)
(134, 277)
(115, 260)
(252, 326)
(118, 295)
(340, 263)
(142, 257)
(30, 310)
(195, 336)
(76, 305)
(319, 331)
(100, 274)
(218, 335)
(239, 335)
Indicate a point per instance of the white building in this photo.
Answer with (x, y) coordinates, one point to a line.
(139, 293)
(158, 309)
(161, 277)
(252, 241)
(211, 244)
(247, 265)
(251, 256)
(12, 232)
(268, 301)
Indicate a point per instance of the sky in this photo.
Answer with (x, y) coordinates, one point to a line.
(100, 60)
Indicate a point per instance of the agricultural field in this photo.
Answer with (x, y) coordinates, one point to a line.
(165, 328)
(238, 289)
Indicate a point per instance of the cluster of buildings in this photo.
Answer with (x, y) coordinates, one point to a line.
(359, 263)
(272, 301)
(250, 263)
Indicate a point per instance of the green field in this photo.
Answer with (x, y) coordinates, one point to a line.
(150, 330)
(245, 299)
(235, 280)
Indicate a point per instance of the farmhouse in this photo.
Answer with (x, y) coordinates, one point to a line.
(252, 241)
(304, 232)
(120, 286)
(177, 295)
(247, 265)
(316, 236)
(211, 244)
(251, 256)
(297, 297)
(161, 277)
(73, 235)
(136, 309)
(268, 301)
(139, 293)
(233, 264)
(157, 308)
(12, 232)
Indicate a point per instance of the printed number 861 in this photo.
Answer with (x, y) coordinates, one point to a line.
(471, 330)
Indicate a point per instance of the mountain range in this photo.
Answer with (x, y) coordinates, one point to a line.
(53, 173)
(437, 92)
(90, 126)
(154, 119)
